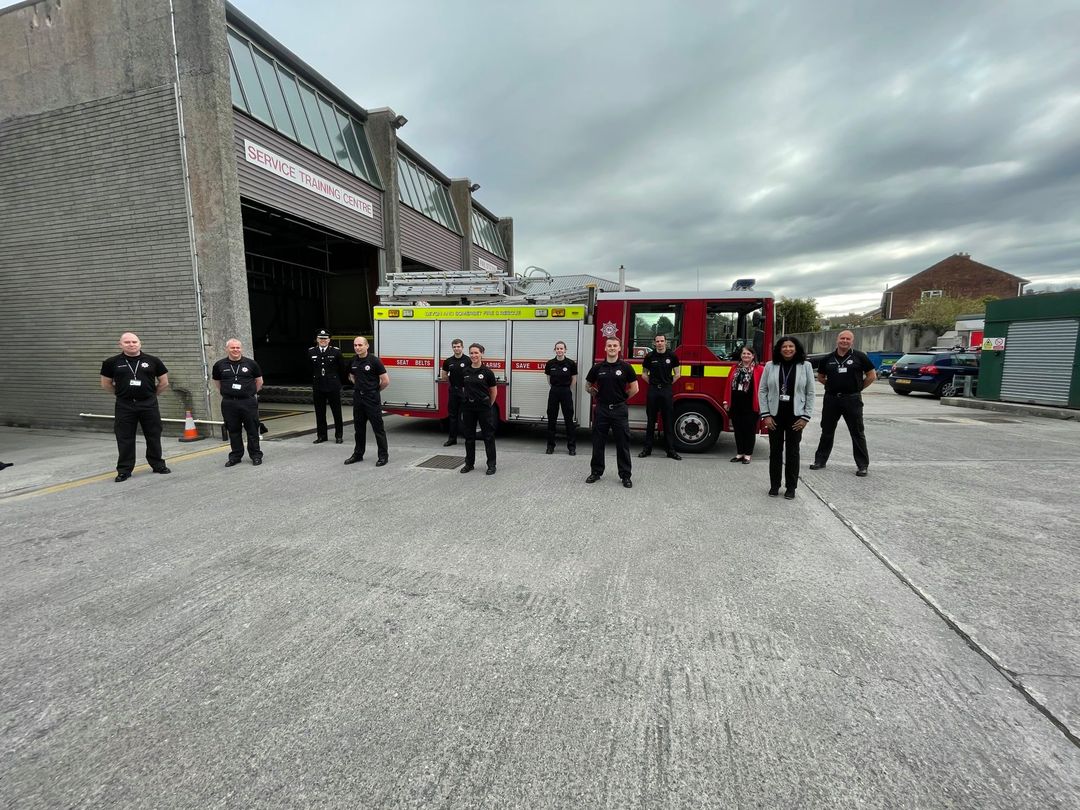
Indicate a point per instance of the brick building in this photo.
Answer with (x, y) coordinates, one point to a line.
(958, 276)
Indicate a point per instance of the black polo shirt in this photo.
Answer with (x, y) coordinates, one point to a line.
(661, 368)
(845, 375)
(455, 368)
(366, 372)
(237, 378)
(476, 383)
(560, 372)
(133, 377)
(611, 380)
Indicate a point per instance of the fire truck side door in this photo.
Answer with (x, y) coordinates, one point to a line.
(532, 345)
(407, 348)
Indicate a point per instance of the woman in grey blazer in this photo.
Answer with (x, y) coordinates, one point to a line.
(786, 395)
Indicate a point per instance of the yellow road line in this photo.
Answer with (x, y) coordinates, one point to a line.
(93, 479)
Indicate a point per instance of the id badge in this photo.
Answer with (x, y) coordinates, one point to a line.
(135, 383)
(237, 386)
(785, 397)
(842, 370)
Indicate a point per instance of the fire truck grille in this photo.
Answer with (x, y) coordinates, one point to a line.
(442, 462)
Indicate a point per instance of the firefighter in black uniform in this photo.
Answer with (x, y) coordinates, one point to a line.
(238, 380)
(562, 376)
(369, 377)
(478, 399)
(327, 371)
(136, 379)
(844, 373)
(612, 381)
(453, 369)
(660, 369)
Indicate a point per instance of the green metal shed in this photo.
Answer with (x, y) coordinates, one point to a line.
(1039, 361)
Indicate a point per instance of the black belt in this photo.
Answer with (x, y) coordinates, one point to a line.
(613, 405)
(843, 394)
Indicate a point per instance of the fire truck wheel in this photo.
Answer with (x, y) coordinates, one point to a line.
(697, 427)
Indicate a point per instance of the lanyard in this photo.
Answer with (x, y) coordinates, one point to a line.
(784, 378)
(235, 370)
(133, 369)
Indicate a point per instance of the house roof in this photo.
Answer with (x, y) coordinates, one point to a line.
(956, 261)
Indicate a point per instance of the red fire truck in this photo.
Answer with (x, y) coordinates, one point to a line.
(706, 330)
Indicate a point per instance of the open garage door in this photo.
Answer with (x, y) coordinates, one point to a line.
(303, 278)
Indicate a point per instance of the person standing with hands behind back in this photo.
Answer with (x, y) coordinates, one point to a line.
(327, 371)
(786, 395)
(612, 381)
(661, 370)
(561, 372)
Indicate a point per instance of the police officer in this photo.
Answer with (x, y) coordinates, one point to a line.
(136, 379)
(238, 380)
(612, 381)
(453, 370)
(478, 398)
(369, 377)
(327, 371)
(660, 369)
(561, 372)
(844, 373)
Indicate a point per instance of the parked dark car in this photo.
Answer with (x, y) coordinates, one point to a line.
(940, 374)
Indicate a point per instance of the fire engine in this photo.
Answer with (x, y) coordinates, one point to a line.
(706, 330)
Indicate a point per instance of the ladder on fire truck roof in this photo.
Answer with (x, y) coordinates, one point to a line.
(441, 287)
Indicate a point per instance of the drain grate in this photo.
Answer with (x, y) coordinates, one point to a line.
(442, 463)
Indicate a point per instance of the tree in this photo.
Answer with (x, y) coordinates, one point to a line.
(795, 315)
(940, 313)
(853, 319)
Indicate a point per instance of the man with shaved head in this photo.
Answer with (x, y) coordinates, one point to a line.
(135, 379)
(238, 380)
(368, 376)
(844, 373)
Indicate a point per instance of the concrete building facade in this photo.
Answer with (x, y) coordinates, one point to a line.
(957, 276)
(169, 168)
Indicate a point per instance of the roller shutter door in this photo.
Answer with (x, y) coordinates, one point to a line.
(1039, 357)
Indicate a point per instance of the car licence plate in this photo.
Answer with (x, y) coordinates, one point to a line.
(902, 382)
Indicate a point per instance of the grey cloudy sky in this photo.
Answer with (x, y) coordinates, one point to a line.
(825, 148)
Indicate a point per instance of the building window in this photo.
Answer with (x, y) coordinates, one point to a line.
(486, 235)
(932, 294)
(269, 92)
(419, 190)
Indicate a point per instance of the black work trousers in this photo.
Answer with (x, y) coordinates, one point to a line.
(131, 414)
(659, 401)
(561, 397)
(241, 416)
(851, 408)
(744, 423)
(482, 414)
(322, 399)
(453, 404)
(784, 452)
(614, 418)
(367, 407)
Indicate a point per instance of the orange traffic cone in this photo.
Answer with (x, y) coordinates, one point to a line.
(190, 433)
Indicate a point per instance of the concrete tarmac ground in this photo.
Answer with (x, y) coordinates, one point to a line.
(310, 634)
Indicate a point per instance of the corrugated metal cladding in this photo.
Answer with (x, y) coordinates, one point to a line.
(1039, 358)
(258, 184)
(479, 253)
(83, 260)
(428, 242)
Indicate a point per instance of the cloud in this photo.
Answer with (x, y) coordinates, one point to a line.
(826, 149)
